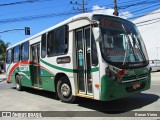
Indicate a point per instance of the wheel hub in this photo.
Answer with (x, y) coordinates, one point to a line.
(65, 90)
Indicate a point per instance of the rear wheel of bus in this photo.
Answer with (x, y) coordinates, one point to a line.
(18, 83)
(64, 90)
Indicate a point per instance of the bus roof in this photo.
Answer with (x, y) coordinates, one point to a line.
(84, 15)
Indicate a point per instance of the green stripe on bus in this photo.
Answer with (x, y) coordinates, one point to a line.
(59, 68)
(95, 69)
(66, 69)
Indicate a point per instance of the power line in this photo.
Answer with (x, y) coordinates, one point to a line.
(140, 11)
(82, 6)
(66, 10)
(22, 2)
(42, 16)
(149, 23)
(35, 17)
(144, 14)
(139, 3)
(135, 4)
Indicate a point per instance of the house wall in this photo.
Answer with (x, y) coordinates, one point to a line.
(150, 33)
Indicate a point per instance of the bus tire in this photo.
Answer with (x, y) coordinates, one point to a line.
(64, 90)
(18, 83)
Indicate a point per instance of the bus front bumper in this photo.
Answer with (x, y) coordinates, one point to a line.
(111, 90)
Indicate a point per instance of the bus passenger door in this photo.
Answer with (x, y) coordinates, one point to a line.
(35, 67)
(83, 52)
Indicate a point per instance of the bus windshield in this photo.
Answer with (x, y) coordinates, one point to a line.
(121, 44)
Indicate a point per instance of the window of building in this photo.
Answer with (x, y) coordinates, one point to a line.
(43, 46)
(9, 56)
(16, 54)
(57, 41)
(25, 51)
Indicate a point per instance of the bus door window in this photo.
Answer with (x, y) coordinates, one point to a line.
(35, 72)
(33, 54)
(38, 53)
(80, 53)
(88, 59)
(83, 39)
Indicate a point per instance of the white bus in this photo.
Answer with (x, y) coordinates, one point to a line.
(90, 55)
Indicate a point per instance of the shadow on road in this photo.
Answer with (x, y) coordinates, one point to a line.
(42, 93)
(120, 105)
(111, 107)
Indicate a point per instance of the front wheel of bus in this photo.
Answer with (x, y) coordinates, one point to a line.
(18, 83)
(64, 90)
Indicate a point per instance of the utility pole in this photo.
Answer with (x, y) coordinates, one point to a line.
(82, 6)
(115, 8)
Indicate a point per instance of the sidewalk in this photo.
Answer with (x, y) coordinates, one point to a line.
(2, 77)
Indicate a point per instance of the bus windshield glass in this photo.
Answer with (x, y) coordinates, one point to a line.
(121, 44)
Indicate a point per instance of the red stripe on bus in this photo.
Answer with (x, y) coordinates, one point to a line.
(24, 63)
(14, 67)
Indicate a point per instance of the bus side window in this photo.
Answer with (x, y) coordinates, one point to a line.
(57, 41)
(16, 54)
(66, 38)
(43, 46)
(94, 52)
(50, 43)
(25, 51)
(9, 56)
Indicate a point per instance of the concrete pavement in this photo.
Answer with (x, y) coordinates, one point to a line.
(2, 77)
(35, 100)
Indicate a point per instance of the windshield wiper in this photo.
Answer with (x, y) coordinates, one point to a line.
(139, 48)
(126, 50)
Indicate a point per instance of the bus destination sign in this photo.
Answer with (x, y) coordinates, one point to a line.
(110, 23)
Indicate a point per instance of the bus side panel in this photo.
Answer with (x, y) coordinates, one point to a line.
(47, 78)
(48, 83)
(14, 72)
(7, 70)
(25, 73)
(50, 68)
(10, 70)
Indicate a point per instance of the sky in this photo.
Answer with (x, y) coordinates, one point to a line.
(42, 14)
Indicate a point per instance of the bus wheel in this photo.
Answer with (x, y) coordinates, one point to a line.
(18, 83)
(64, 90)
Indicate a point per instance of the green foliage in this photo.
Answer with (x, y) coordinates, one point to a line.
(3, 47)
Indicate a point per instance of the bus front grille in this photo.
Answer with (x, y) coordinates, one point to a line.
(141, 77)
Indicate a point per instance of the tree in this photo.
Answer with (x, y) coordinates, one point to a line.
(3, 47)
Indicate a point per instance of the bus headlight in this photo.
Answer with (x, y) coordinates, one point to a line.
(112, 75)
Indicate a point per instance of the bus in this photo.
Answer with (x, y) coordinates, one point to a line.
(96, 56)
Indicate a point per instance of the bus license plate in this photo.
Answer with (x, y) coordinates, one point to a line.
(135, 86)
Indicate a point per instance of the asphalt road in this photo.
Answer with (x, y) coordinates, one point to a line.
(35, 100)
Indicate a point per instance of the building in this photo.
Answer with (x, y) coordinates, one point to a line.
(149, 27)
